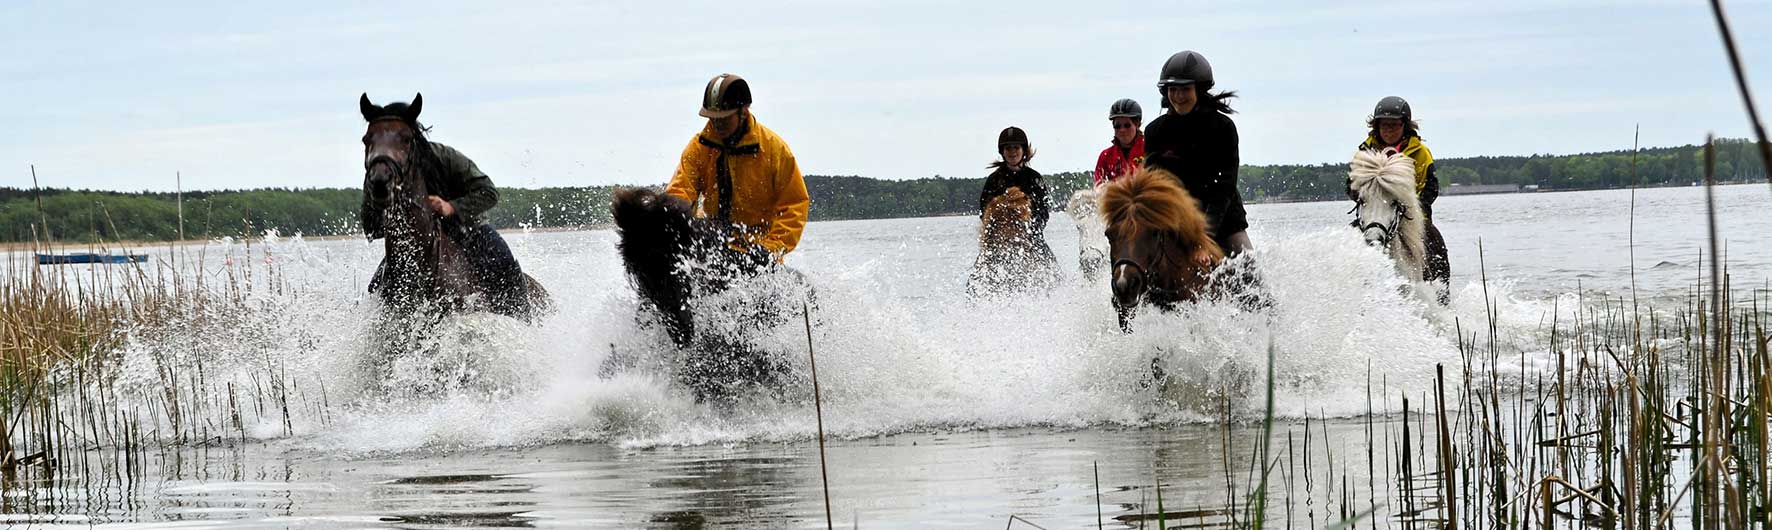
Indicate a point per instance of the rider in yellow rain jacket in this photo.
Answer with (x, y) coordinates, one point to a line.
(740, 171)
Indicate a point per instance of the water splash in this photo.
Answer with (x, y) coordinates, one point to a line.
(1342, 322)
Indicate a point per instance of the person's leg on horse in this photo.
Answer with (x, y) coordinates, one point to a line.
(496, 268)
(1246, 286)
(1439, 265)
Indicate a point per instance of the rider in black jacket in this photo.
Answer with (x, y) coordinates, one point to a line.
(1013, 172)
(1197, 141)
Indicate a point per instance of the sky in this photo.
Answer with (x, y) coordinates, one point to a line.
(249, 94)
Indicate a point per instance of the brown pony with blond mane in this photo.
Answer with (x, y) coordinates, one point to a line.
(1012, 256)
(1158, 241)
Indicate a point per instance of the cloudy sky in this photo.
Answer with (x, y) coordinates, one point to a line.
(254, 94)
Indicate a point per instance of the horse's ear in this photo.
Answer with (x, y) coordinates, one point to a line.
(370, 110)
(418, 104)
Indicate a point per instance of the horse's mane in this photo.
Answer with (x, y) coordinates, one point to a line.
(1392, 176)
(656, 233)
(425, 161)
(1006, 217)
(1153, 199)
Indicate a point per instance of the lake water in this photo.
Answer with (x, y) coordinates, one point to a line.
(942, 411)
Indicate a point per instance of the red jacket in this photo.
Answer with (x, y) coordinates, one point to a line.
(1114, 163)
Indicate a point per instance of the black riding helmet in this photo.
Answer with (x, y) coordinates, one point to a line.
(1012, 135)
(1393, 107)
(1126, 108)
(1186, 67)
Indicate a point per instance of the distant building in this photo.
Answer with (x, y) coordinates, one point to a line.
(1474, 189)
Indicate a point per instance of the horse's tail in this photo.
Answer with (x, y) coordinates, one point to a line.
(654, 231)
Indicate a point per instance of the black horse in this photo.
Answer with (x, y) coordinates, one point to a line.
(677, 263)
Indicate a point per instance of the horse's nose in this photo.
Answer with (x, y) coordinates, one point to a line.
(376, 157)
(1374, 237)
(378, 184)
(1127, 286)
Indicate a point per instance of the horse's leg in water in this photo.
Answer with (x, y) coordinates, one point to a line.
(719, 369)
(380, 270)
(507, 292)
(1439, 266)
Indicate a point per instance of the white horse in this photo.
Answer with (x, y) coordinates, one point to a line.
(1386, 210)
(1092, 243)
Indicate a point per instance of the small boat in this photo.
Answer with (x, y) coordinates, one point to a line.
(68, 259)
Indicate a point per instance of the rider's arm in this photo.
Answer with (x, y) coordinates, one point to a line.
(1225, 180)
(1101, 168)
(686, 181)
(1038, 205)
(1430, 191)
(480, 195)
(791, 205)
(1427, 186)
(985, 195)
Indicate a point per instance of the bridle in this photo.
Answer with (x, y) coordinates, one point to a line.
(1389, 231)
(398, 169)
(1158, 295)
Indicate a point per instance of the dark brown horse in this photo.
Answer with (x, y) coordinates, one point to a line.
(1158, 242)
(425, 269)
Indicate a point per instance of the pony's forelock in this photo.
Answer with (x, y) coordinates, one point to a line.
(1150, 198)
(1374, 171)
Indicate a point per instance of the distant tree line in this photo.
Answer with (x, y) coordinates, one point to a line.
(88, 215)
(1659, 166)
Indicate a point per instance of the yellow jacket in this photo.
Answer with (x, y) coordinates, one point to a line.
(1412, 148)
(768, 195)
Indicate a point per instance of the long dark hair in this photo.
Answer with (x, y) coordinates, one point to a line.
(1219, 101)
(1025, 158)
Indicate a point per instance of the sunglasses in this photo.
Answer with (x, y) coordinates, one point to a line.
(1124, 125)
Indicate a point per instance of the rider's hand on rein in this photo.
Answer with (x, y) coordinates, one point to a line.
(442, 207)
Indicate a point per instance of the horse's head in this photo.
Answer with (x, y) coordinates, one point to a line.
(1155, 231)
(393, 143)
(1006, 217)
(1384, 184)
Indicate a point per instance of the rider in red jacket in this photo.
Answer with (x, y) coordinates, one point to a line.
(1127, 153)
